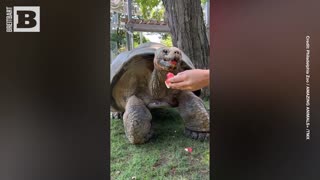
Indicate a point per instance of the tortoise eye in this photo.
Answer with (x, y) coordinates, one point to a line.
(165, 51)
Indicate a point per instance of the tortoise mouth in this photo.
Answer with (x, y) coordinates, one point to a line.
(173, 62)
(167, 64)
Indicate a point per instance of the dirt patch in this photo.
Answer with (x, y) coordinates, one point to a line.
(160, 162)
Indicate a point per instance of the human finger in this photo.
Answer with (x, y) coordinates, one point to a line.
(179, 85)
(178, 78)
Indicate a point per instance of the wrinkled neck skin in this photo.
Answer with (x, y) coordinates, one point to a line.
(157, 86)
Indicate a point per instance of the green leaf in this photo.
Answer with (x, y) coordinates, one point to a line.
(151, 9)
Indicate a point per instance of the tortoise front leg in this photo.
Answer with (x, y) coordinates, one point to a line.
(137, 121)
(195, 116)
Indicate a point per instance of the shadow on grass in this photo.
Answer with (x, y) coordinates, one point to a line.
(163, 157)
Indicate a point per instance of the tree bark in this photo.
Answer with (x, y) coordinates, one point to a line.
(188, 31)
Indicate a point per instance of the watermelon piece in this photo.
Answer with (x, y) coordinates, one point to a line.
(167, 82)
(188, 149)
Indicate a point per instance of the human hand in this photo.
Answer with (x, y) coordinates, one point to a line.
(190, 80)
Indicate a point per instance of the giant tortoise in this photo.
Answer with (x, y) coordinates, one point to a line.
(138, 85)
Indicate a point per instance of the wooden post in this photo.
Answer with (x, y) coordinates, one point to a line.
(141, 38)
(208, 20)
(129, 29)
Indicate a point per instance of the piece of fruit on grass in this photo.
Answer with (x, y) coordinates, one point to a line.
(188, 149)
(167, 82)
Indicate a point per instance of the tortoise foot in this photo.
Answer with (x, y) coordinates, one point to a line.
(197, 135)
(137, 121)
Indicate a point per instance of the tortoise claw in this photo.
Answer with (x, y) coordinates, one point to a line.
(116, 115)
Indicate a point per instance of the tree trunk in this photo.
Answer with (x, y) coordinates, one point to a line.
(188, 31)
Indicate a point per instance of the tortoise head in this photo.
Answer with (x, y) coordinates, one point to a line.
(167, 58)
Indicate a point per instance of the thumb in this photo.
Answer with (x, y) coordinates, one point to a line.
(176, 78)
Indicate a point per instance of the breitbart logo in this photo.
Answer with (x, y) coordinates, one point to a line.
(23, 19)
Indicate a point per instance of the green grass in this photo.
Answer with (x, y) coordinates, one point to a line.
(163, 157)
